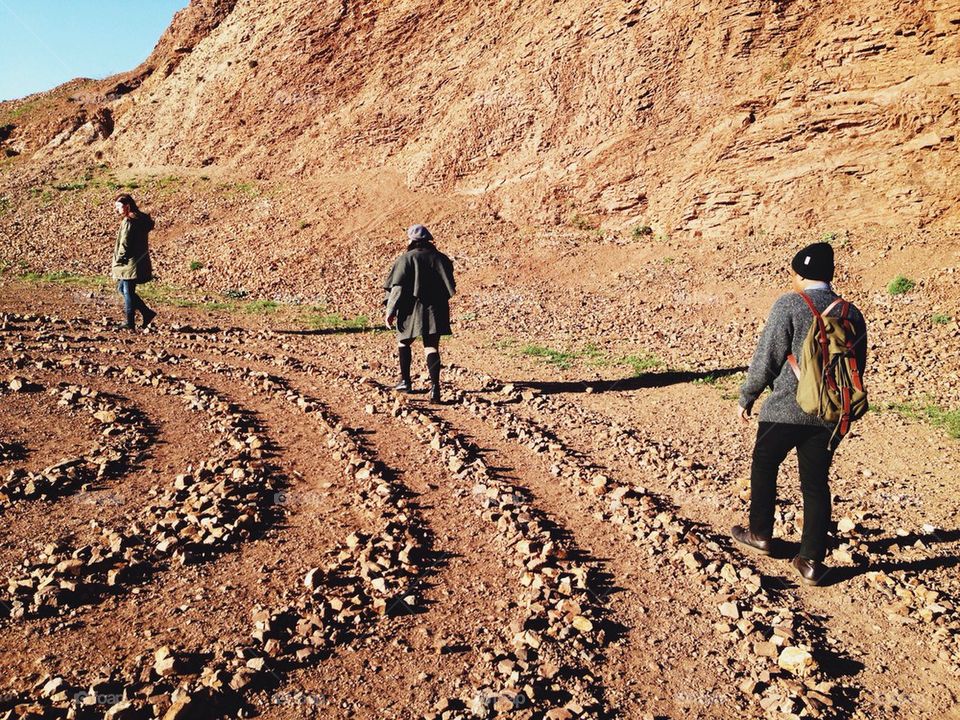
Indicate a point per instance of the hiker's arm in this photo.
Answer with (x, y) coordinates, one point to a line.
(393, 299)
(123, 242)
(770, 355)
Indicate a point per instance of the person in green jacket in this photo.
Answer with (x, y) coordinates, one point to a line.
(131, 259)
(418, 291)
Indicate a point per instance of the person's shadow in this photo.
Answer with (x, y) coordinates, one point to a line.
(636, 382)
(837, 575)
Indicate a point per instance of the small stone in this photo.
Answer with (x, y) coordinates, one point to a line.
(796, 660)
(765, 649)
(729, 610)
(846, 525)
(105, 416)
(582, 624)
(181, 707)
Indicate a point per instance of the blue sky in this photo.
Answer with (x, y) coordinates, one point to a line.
(44, 43)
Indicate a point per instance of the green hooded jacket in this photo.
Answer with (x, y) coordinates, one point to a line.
(131, 253)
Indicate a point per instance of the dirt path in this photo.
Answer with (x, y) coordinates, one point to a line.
(525, 550)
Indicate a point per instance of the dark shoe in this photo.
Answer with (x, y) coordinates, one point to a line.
(811, 571)
(148, 317)
(749, 540)
(404, 386)
(435, 395)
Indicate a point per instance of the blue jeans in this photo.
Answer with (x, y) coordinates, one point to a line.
(132, 302)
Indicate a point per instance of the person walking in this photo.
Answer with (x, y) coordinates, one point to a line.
(131, 259)
(418, 291)
(783, 425)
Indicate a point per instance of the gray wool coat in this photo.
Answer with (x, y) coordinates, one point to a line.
(784, 333)
(419, 287)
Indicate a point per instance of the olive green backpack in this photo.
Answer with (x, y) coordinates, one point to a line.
(829, 384)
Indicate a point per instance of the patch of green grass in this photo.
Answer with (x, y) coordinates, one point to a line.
(828, 237)
(24, 109)
(594, 355)
(319, 318)
(260, 307)
(709, 379)
(115, 184)
(667, 260)
(580, 222)
(930, 412)
(900, 285)
(249, 189)
(642, 363)
(66, 187)
(941, 319)
(560, 359)
(196, 265)
(62, 277)
(949, 420)
(235, 294)
(640, 232)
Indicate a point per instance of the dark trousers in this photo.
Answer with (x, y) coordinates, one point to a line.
(814, 455)
(131, 301)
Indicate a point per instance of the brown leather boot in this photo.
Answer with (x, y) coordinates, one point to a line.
(811, 571)
(750, 540)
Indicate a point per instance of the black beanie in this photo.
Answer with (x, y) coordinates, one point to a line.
(814, 262)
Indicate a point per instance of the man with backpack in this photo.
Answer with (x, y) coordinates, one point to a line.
(811, 355)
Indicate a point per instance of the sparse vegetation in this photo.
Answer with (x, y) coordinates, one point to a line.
(900, 285)
(260, 307)
(560, 359)
(249, 189)
(196, 265)
(640, 232)
(642, 363)
(948, 420)
(65, 187)
(63, 277)
(941, 319)
(581, 222)
(319, 318)
(4, 204)
(235, 294)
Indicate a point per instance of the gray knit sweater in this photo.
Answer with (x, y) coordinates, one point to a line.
(786, 328)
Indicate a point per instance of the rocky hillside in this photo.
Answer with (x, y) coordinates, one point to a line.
(710, 115)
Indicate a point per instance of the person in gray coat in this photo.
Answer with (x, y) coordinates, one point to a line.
(418, 291)
(783, 425)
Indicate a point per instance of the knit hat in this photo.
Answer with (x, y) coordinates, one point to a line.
(814, 262)
(418, 233)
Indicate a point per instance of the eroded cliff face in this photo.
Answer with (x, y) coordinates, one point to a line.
(707, 115)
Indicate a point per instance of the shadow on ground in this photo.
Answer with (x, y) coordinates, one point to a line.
(637, 382)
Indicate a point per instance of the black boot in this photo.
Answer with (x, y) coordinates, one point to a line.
(404, 354)
(433, 366)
